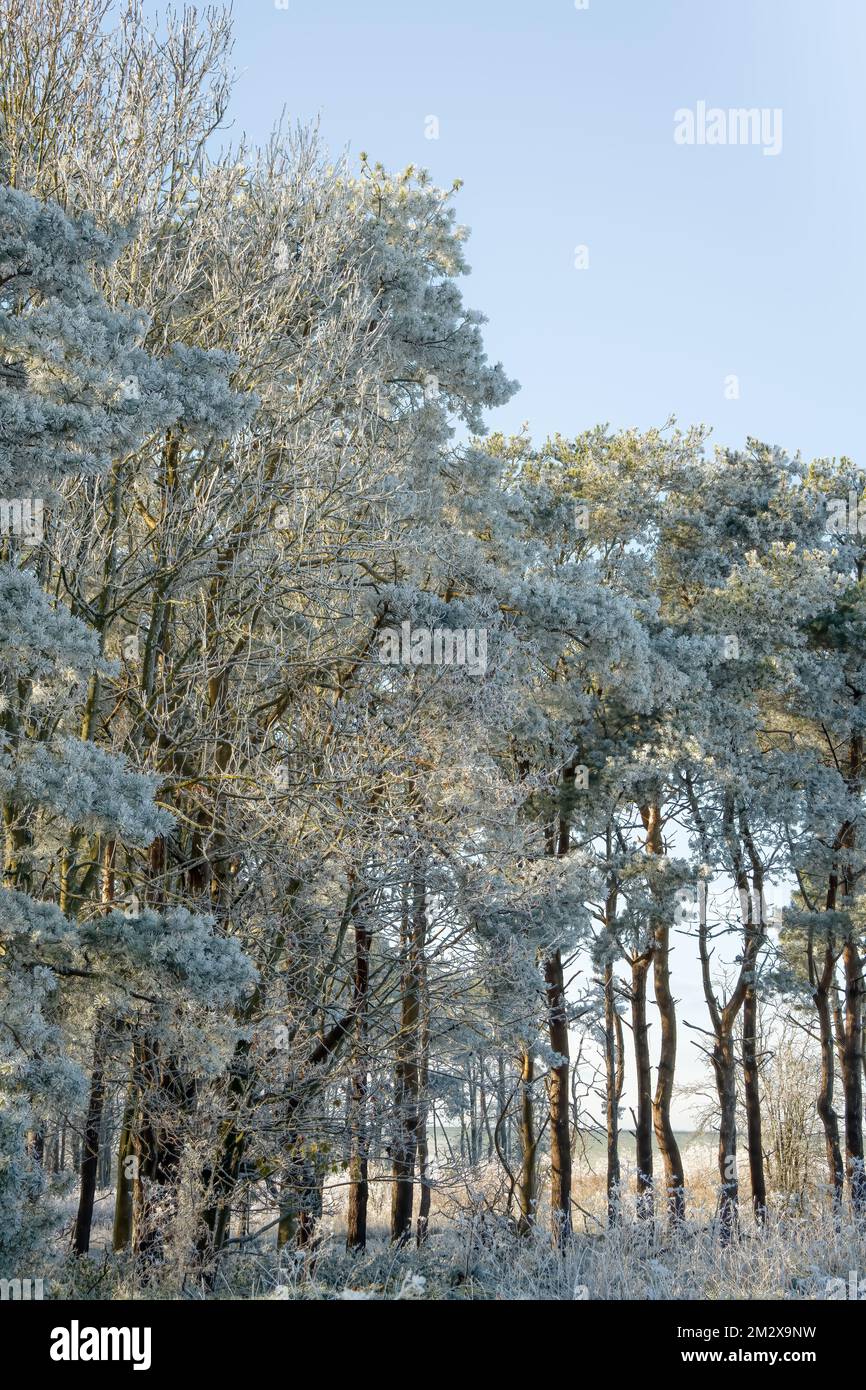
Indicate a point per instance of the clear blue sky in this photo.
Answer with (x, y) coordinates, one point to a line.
(704, 261)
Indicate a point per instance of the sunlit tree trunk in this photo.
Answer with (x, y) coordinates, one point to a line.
(614, 1078)
(751, 1071)
(558, 1102)
(821, 981)
(527, 1186)
(664, 1130)
(724, 1066)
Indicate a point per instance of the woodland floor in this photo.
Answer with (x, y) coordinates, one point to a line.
(473, 1253)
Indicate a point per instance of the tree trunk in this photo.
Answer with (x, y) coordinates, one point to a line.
(90, 1152)
(96, 1101)
(122, 1232)
(423, 1223)
(752, 1093)
(407, 1077)
(664, 1130)
(527, 1195)
(643, 1124)
(852, 1074)
(824, 1105)
(558, 1102)
(356, 1231)
(751, 1073)
(164, 1098)
(724, 1065)
(219, 1181)
(614, 1076)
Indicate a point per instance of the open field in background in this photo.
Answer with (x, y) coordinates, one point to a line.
(473, 1253)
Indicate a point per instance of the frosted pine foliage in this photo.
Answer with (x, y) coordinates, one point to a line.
(65, 355)
(88, 788)
(77, 392)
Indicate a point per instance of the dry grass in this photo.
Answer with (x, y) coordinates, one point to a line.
(473, 1253)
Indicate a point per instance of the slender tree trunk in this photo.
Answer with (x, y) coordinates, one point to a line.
(220, 1180)
(423, 1222)
(852, 1075)
(165, 1097)
(664, 1130)
(356, 1234)
(90, 1153)
(407, 1075)
(527, 1190)
(503, 1125)
(122, 1231)
(485, 1109)
(752, 1095)
(826, 1111)
(724, 1019)
(724, 1065)
(287, 1229)
(751, 1071)
(851, 1042)
(558, 1102)
(96, 1100)
(310, 1205)
(558, 1085)
(643, 1124)
(613, 1091)
(105, 1141)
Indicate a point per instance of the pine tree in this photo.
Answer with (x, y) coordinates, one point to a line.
(77, 391)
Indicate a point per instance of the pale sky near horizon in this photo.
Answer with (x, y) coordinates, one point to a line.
(706, 262)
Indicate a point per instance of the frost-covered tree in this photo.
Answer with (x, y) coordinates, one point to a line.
(77, 391)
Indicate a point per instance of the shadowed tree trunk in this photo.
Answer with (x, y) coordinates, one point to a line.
(165, 1098)
(90, 1150)
(752, 1097)
(850, 1022)
(424, 1080)
(356, 1231)
(851, 1041)
(96, 1099)
(122, 1232)
(852, 1074)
